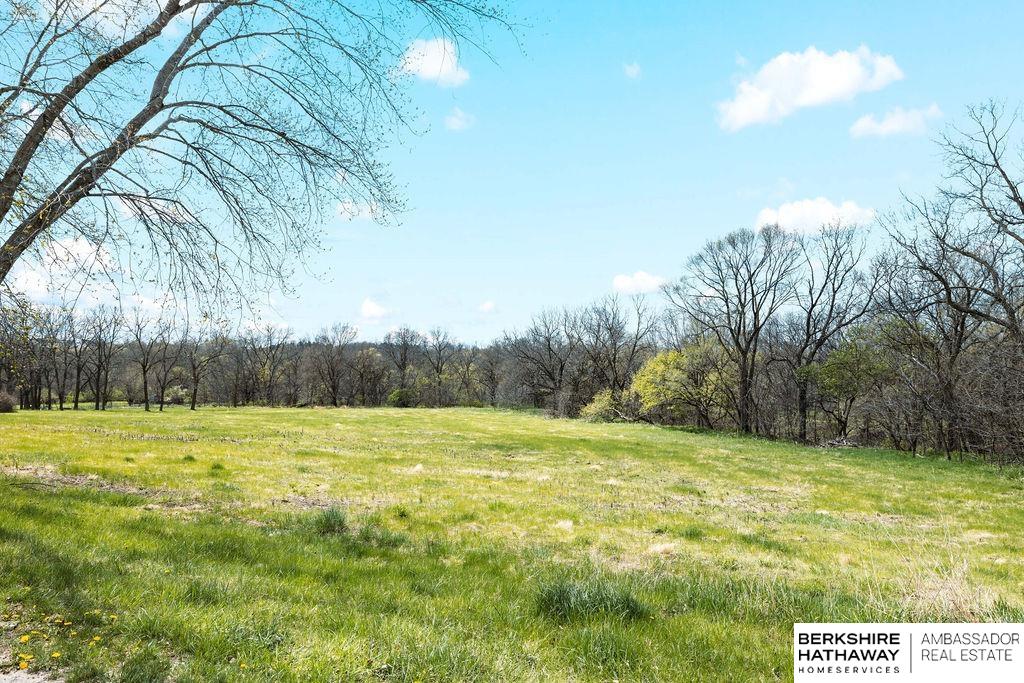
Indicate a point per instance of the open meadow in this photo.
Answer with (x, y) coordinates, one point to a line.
(469, 544)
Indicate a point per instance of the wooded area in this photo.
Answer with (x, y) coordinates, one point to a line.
(814, 337)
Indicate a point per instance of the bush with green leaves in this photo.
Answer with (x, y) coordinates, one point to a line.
(403, 398)
(686, 385)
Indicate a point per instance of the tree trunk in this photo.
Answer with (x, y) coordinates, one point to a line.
(743, 401)
(802, 407)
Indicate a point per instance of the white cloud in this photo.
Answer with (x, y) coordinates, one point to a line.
(794, 80)
(69, 266)
(895, 121)
(486, 307)
(373, 311)
(632, 70)
(458, 120)
(30, 282)
(807, 215)
(640, 282)
(434, 60)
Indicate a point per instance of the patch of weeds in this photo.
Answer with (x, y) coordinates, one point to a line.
(823, 520)
(147, 665)
(687, 488)
(202, 591)
(605, 651)
(439, 659)
(437, 547)
(373, 533)
(692, 533)
(566, 600)
(763, 540)
(129, 458)
(429, 587)
(401, 512)
(189, 458)
(501, 506)
(122, 500)
(85, 672)
(217, 467)
(465, 516)
(265, 635)
(330, 522)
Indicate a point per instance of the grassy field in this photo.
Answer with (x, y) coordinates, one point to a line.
(313, 545)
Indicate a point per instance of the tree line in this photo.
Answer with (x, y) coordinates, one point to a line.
(913, 342)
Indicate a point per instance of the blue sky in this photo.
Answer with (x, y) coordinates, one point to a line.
(601, 148)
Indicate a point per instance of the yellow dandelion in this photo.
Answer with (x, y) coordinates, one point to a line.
(24, 639)
(97, 638)
(55, 655)
(74, 633)
(23, 665)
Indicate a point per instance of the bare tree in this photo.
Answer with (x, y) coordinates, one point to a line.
(548, 349)
(932, 339)
(63, 358)
(732, 289)
(168, 347)
(970, 239)
(144, 339)
(103, 328)
(616, 341)
(832, 293)
(211, 134)
(201, 348)
(266, 352)
(370, 371)
(402, 347)
(439, 350)
(329, 360)
(466, 372)
(490, 371)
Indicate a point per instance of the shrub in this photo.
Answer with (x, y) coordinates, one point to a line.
(402, 398)
(601, 408)
(607, 407)
(566, 600)
(177, 396)
(7, 402)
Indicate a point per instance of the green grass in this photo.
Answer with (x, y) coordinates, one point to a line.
(319, 545)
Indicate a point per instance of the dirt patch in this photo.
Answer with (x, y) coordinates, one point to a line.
(309, 503)
(17, 676)
(48, 475)
(488, 474)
